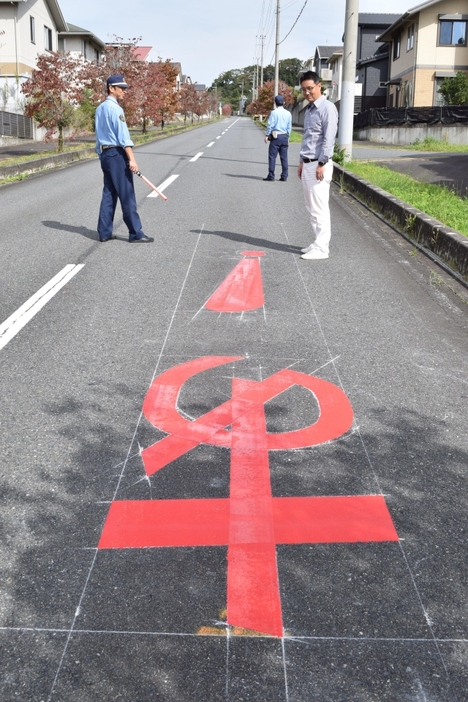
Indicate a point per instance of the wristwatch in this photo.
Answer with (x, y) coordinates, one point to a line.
(321, 163)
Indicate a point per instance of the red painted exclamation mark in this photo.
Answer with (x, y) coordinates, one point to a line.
(242, 289)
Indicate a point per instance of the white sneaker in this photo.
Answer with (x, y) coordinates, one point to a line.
(308, 248)
(314, 254)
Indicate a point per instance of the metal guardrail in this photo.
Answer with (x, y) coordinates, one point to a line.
(16, 125)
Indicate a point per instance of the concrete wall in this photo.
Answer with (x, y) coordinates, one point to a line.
(453, 134)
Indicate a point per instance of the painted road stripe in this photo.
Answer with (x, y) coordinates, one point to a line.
(219, 137)
(164, 185)
(200, 153)
(31, 307)
(210, 144)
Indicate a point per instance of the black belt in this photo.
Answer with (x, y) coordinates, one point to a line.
(111, 146)
(306, 160)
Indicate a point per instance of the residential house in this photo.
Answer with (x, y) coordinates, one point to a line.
(27, 28)
(429, 43)
(372, 59)
(320, 64)
(335, 65)
(82, 42)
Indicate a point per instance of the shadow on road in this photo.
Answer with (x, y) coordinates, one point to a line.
(84, 231)
(252, 241)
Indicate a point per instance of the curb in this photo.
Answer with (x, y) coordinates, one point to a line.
(38, 164)
(433, 236)
(46, 162)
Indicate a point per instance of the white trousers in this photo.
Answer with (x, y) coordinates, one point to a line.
(316, 196)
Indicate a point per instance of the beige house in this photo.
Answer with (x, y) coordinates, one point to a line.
(429, 43)
(27, 28)
(81, 42)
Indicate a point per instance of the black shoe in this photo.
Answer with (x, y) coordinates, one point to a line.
(142, 240)
(269, 179)
(283, 180)
(109, 239)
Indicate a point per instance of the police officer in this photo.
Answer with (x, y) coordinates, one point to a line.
(114, 148)
(277, 133)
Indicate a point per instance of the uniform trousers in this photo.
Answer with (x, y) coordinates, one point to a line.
(118, 185)
(316, 196)
(278, 146)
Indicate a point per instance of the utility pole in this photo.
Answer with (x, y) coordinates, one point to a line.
(278, 2)
(345, 132)
(261, 60)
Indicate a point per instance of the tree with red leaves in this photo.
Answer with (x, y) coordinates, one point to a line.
(226, 110)
(263, 105)
(54, 91)
(187, 100)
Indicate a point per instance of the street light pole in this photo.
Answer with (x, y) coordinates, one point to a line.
(345, 132)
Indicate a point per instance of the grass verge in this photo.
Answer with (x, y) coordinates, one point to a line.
(435, 200)
(431, 144)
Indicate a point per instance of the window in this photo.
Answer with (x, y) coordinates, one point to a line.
(396, 47)
(410, 38)
(438, 97)
(452, 32)
(48, 38)
(32, 29)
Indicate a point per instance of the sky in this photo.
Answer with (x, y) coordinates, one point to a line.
(214, 36)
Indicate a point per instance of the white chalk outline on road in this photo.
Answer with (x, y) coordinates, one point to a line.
(200, 153)
(31, 307)
(210, 144)
(164, 185)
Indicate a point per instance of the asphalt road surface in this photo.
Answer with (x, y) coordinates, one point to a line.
(227, 474)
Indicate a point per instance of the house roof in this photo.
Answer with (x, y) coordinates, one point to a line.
(326, 51)
(403, 19)
(377, 18)
(55, 11)
(74, 30)
(141, 52)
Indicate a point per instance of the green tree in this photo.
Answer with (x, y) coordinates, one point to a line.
(289, 71)
(455, 90)
(231, 84)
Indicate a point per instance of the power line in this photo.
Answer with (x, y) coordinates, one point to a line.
(297, 20)
(287, 35)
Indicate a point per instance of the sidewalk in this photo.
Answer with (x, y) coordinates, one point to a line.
(449, 169)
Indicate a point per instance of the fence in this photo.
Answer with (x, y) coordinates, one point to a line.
(400, 116)
(16, 125)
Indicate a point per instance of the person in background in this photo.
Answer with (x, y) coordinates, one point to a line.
(114, 148)
(316, 165)
(277, 133)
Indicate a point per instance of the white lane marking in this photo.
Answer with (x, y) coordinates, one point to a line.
(200, 153)
(210, 144)
(219, 137)
(31, 307)
(164, 185)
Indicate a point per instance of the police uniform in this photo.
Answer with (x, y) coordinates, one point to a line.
(112, 136)
(280, 123)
